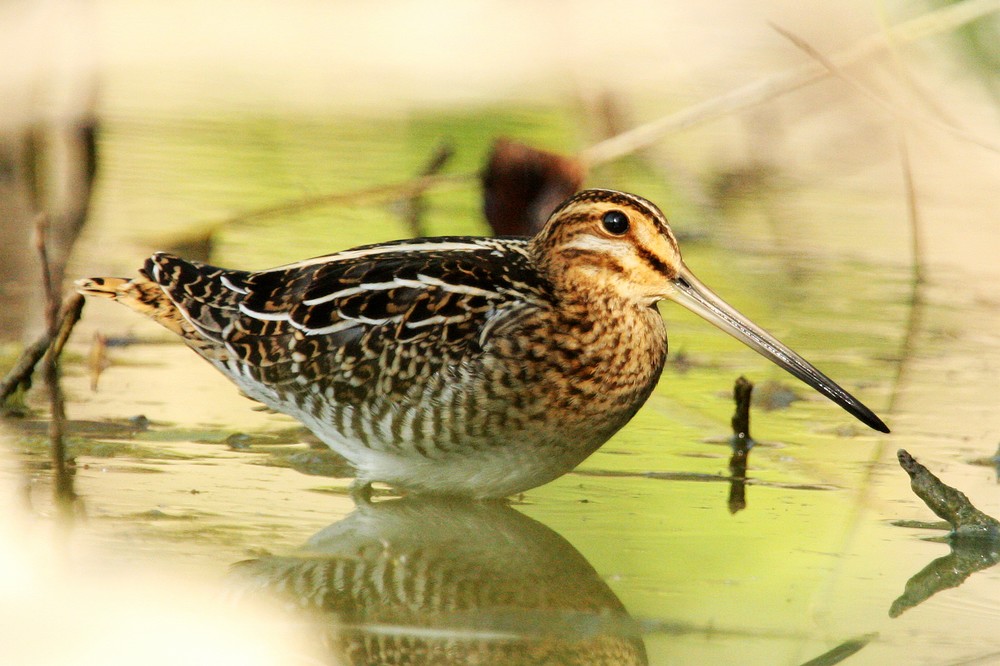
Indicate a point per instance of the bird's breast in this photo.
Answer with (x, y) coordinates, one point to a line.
(590, 366)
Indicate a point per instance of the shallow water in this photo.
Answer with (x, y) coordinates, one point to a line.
(637, 555)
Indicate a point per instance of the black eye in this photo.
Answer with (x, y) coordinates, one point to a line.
(615, 222)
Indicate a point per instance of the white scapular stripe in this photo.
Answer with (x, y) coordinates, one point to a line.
(436, 319)
(342, 325)
(264, 316)
(230, 286)
(421, 282)
(453, 287)
(367, 286)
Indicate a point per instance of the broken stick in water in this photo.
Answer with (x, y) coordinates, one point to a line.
(742, 442)
(18, 378)
(947, 502)
(973, 539)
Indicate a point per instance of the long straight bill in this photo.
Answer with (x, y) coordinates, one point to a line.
(695, 296)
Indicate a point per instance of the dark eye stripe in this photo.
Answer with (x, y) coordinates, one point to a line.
(655, 263)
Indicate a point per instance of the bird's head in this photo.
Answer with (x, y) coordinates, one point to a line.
(609, 242)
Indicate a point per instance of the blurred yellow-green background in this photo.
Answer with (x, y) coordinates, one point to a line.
(812, 201)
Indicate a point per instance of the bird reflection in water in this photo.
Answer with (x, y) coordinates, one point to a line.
(421, 580)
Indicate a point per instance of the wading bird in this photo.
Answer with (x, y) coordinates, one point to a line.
(466, 366)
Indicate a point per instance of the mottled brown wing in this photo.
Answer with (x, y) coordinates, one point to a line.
(370, 321)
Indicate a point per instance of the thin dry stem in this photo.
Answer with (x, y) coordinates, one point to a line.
(915, 319)
(889, 106)
(58, 332)
(762, 90)
(643, 136)
(399, 190)
(42, 247)
(910, 193)
(415, 205)
(912, 211)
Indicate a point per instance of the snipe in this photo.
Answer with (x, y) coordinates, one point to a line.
(471, 366)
